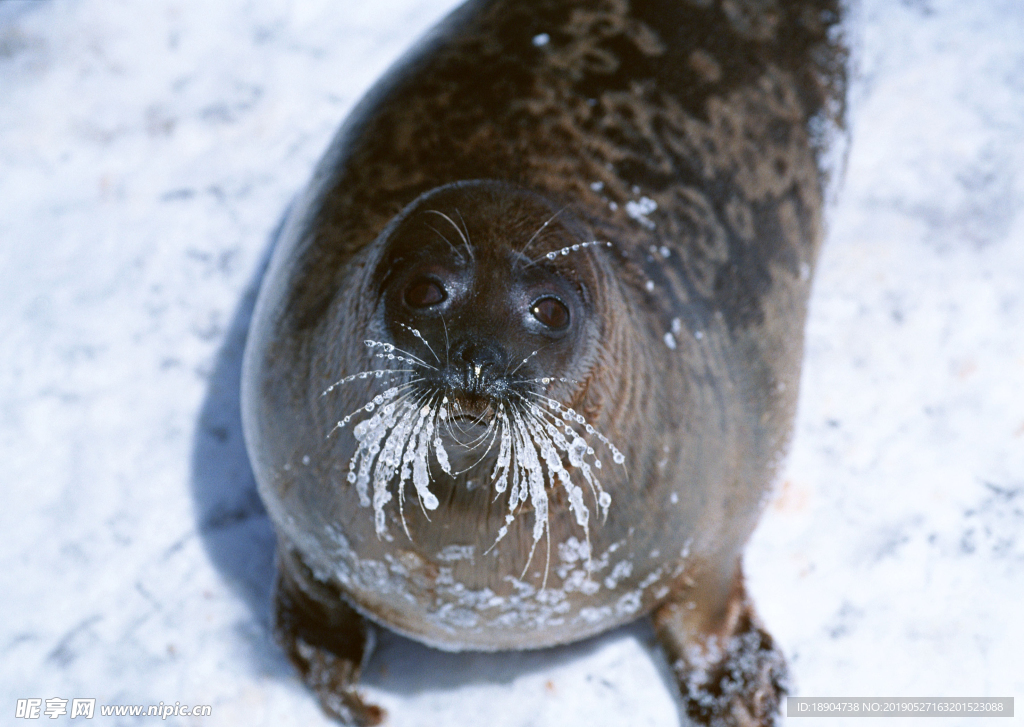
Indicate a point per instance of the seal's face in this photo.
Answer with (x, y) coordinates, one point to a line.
(486, 321)
(466, 284)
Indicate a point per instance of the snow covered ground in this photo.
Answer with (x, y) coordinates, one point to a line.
(147, 152)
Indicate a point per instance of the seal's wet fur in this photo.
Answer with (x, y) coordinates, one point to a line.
(688, 134)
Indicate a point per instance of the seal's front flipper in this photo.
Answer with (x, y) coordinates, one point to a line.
(729, 670)
(325, 639)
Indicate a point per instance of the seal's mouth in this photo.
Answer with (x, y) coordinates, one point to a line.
(469, 418)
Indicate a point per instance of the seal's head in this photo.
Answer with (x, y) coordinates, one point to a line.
(486, 315)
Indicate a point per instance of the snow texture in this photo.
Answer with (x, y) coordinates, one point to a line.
(148, 150)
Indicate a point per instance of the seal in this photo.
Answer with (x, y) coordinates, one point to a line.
(525, 360)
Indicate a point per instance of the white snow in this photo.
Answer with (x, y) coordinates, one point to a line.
(639, 209)
(148, 150)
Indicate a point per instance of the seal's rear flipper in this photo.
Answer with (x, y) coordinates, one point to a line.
(729, 670)
(326, 640)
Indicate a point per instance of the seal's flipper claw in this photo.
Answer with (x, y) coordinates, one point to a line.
(729, 670)
(326, 640)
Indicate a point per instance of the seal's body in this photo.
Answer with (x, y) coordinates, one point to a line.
(526, 356)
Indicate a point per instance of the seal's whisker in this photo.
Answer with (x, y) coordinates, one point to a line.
(452, 421)
(493, 431)
(533, 487)
(400, 454)
(537, 442)
(469, 247)
(404, 445)
(504, 455)
(375, 402)
(521, 363)
(463, 235)
(540, 229)
(447, 422)
(420, 453)
(428, 411)
(452, 428)
(419, 335)
(447, 345)
(569, 414)
(577, 450)
(551, 440)
(451, 222)
(389, 353)
(569, 249)
(476, 441)
(463, 431)
(455, 250)
(525, 360)
(377, 373)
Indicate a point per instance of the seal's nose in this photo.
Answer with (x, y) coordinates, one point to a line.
(481, 363)
(480, 355)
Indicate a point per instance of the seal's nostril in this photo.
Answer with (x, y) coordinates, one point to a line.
(481, 355)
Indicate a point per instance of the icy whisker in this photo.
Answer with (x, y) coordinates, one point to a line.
(374, 403)
(569, 249)
(419, 335)
(389, 353)
(521, 363)
(377, 373)
(540, 229)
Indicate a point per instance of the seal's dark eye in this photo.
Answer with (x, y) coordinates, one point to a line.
(551, 312)
(424, 293)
